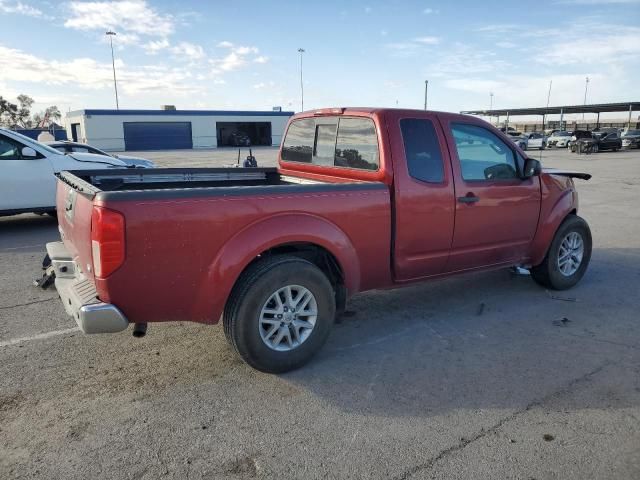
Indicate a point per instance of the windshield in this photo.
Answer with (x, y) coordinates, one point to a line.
(631, 132)
(35, 143)
(562, 134)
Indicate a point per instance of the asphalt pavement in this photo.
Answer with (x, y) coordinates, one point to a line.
(483, 376)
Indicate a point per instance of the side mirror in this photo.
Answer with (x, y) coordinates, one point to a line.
(532, 168)
(28, 152)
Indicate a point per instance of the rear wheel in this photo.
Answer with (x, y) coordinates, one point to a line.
(568, 256)
(280, 313)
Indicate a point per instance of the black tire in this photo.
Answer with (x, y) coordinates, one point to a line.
(241, 316)
(548, 273)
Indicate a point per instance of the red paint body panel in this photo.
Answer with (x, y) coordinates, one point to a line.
(184, 255)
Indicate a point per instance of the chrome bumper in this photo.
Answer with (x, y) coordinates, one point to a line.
(79, 296)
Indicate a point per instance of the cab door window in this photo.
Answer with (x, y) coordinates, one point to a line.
(482, 154)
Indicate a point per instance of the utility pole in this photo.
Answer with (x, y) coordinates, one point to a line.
(426, 90)
(586, 87)
(544, 117)
(301, 51)
(490, 105)
(113, 63)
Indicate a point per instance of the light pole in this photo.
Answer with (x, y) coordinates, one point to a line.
(301, 51)
(586, 86)
(490, 104)
(426, 90)
(113, 63)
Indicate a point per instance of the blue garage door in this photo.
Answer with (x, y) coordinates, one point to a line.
(157, 135)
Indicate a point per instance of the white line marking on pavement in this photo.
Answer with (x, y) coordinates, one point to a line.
(40, 336)
(21, 247)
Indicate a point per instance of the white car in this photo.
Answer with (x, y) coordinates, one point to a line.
(536, 140)
(66, 146)
(559, 139)
(519, 139)
(27, 169)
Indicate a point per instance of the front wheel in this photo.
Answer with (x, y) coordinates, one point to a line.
(568, 256)
(280, 313)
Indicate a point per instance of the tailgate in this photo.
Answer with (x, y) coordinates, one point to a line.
(74, 208)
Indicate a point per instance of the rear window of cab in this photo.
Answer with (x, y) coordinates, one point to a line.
(348, 142)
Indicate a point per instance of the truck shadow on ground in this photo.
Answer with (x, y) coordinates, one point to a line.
(487, 340)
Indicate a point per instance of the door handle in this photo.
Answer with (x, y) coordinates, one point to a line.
(468, 198)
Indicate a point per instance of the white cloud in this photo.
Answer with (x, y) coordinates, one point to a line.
(88, 74)
(506, 44)
(427, 40)
(154, 47)
(189, 51)
(499, 28)
(135, 16)
(237, 57)
(20, 8)
(429, 11)
(604, 44)
(260, 85)
(531, 91)
(412, 47)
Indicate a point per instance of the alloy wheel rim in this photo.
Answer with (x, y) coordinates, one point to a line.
(570, 254)
(288, 317)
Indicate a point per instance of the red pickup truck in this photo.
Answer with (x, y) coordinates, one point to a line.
(363, 199)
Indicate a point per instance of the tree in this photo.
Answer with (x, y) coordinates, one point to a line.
(25, 102)
(53, 113)
(8, 113)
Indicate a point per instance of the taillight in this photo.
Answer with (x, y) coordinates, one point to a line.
(107, 241)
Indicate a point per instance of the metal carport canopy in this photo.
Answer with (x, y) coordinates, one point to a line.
(562, 109)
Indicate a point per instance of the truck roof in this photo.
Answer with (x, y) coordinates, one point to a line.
(371, 110)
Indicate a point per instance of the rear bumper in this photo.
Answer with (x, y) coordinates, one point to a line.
(79, 296)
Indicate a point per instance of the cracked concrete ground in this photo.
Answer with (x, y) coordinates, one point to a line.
(470, 377)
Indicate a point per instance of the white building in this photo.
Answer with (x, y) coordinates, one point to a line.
(121, 130)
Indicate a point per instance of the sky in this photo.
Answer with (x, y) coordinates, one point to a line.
(244, 55)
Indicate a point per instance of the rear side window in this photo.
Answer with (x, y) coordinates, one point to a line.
(298, 144)
(357, 144)
(422, 150)
(331, 141)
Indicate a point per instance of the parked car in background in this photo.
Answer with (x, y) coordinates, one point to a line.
(631, 139)
(559, 139)
(363, 199)
(66, 146)
(518, 138)
(596, 143)
(578, 135)
(536, 140)
(28, 168)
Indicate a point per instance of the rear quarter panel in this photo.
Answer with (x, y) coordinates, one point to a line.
(185, 254)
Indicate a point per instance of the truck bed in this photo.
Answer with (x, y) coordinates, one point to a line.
(189, 230)
(117, 180)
